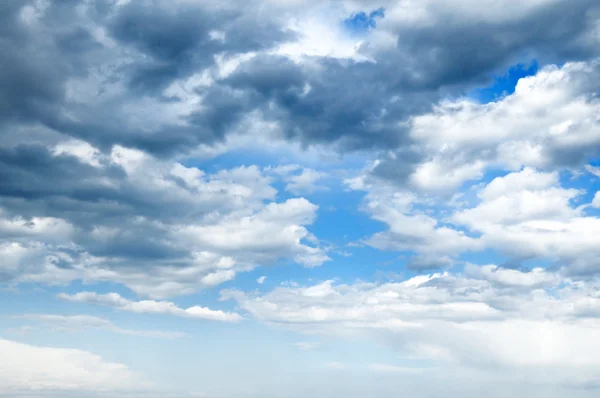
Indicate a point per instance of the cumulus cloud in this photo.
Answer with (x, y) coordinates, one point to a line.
(109, 111)
(32, 369)
(410, 227)
(596, 200)
(130, 89)
(150, 306)
(528, 214)
(525, 214)
(488, 318)
(133, 208)
(463, 138)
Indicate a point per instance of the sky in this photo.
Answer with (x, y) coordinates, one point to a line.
(291, 198)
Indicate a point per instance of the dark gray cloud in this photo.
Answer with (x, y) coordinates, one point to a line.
(153, 44)
(353, 105)
(455, 50)
(344, 103)
(398, 165)
(176, 38)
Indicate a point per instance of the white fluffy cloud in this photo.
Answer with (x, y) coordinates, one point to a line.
(528, 214)
(151, 306)
(549, 121)
(488, 318)
(28, 369)
(596, 201)
(410, 228)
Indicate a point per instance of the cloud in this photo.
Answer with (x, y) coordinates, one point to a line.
(81, 322)
(103, 57)
(148, 76)
(150, 306)
(299, 180)
(260, 280)
(518, 130)
(32, 369)
(488, 318)
(133, 208)
(512, 278)
(94, 151)
(426, 262)
(524, 215)
(593, 170)
(527, 214)
(410, 228)
(111, 111)
(596, 200)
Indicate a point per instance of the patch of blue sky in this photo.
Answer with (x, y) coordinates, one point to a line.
(503, 85)
(364, 263)
(587, 183)
(361, 22)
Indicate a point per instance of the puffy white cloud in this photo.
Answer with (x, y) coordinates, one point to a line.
(596, 200)
(528, 214)
(535, 278)
(410, 227)
(321, 35)
(462, 138)
(151, 306)
(82, 150)
(391, 304)
(262, 235)
(32, 369)
(490, 319)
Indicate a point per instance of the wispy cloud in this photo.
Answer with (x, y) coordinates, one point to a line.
(81, 322)
(150, 306)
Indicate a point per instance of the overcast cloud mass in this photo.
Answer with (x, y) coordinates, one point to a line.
(291, 198)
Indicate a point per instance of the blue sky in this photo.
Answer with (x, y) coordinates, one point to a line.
(282, 199)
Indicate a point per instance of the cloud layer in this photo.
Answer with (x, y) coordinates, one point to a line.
(154, 149)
